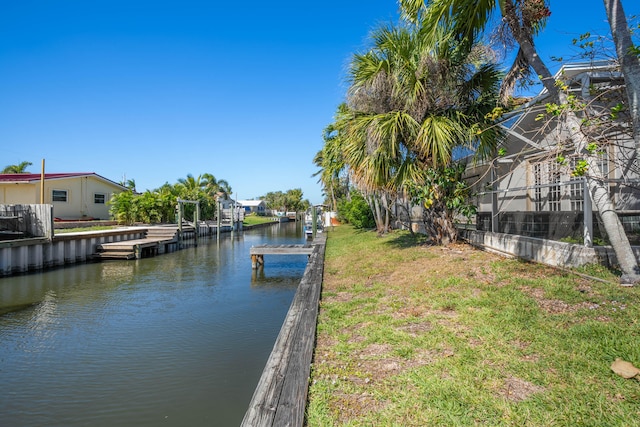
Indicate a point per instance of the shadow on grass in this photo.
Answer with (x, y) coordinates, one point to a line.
(405, 239)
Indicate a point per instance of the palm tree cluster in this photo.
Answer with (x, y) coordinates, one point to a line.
(421, 92)
(410, 105)
(159, 205)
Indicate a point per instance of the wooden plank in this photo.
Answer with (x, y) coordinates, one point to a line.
(115, 255)
(281, 395)
(281, 250)
(292, 404)
(130, 244)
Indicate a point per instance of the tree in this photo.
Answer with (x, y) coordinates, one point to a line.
(19, 168)
(275, 200)
(520, 21)
(409, 106)
(122, 207)
(191, 185)
(356, 211)
(215, 188)
(291, 201)
(130, 184)
(445, 196)
(159, 205)
(332, 167)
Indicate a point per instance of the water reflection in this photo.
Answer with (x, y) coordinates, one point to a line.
(178, 339)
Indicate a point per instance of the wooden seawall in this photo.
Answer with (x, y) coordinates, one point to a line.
(281, 395)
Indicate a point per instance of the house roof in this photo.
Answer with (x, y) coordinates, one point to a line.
(521, 122)
(32, 178)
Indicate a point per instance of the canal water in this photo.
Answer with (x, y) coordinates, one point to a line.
(179, 339)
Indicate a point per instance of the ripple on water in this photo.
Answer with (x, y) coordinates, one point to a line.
(180, 338)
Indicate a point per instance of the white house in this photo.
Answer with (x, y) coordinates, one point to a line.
(258, 207)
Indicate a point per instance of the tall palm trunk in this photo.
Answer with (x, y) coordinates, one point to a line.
(334, 202)
(374, 205)
(629, 62)
(385, 209)
(595, 179)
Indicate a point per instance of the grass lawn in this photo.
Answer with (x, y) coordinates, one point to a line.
(255, 219)
(415, 335)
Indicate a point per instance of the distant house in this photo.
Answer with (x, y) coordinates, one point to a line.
(73, 195)
(253, 206)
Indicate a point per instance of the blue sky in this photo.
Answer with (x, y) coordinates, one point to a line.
(156, 90)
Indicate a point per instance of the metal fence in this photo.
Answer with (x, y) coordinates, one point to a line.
(557, 211)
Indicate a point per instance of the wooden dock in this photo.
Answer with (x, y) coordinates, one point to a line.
(158, 240)
(258, 252)
(281, 395)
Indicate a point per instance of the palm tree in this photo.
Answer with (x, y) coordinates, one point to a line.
(409, 105)
(224, 187)
(520, 21)
(19, 168)
(215, 188)
(331, 163)
(191, 184)
(131, 184)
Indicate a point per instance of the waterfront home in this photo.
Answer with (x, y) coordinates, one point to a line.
(258, 207)
(74, 196)
(531, 188)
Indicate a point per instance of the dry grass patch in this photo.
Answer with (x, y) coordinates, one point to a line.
(414, 335)
(555, 306)
(517, 389)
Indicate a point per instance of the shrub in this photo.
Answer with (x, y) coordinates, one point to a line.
(356, 212)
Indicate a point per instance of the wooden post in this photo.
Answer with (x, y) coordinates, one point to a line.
(196, 221)
(233, 218)
(314, 221)
(179, 223)
(42, 184)
(257, 260)
(218, 219)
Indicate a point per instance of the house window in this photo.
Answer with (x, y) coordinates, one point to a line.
(546, 190)
(603, 162)
(577, 183)
(537, 191)
(99, 198)
(554, 190)
(59, 195)
(576, 190)
(577, 194)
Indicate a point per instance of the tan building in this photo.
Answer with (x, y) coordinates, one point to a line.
(73, 195)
